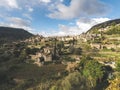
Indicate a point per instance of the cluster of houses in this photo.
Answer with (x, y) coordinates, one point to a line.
(36, 38)
(67, 38)
(45, 54)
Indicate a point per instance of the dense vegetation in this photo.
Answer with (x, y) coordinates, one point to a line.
(109, 38)
(89, 74)
(113, 30)
(19, 73)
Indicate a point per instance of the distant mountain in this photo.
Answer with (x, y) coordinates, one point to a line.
(8, 34)
(105, 24)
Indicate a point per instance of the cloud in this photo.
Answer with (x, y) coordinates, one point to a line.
(46, 1)
(68, 30)
(21, 4)
(17, 23)
(9, 4)
(86, 23)
(28, 16)
(77, 8)
(58, 9)
(82, 25)
(30, 9)
(61, 0)
(32, 3)
(23, 8)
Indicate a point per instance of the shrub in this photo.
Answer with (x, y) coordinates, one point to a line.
(93, 71)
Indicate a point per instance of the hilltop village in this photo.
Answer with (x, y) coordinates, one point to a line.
(52, 49)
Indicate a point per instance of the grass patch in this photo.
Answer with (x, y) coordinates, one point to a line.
(31, 75)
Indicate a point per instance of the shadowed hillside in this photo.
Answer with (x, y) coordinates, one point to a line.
(8, 34)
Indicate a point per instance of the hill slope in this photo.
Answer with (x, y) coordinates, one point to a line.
(104, 25)
(8, 34)
(106, 38)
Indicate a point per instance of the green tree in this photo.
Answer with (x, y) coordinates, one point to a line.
(23, 55)
(93, 71)
(53, 88)
(55, 54)
(78, 51)
(118, 65)
(74, 81)
(83, 61)
(66, 85)
(60, 45)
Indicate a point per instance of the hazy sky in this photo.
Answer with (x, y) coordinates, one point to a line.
(57, 17)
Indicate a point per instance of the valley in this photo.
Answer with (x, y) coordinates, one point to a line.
(89, 61)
